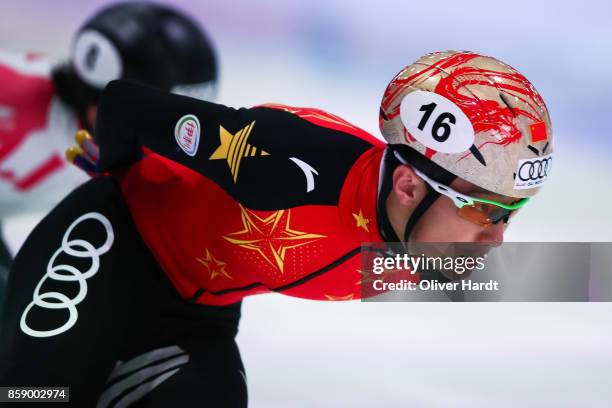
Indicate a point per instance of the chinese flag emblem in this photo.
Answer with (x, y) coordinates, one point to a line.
(538, 132)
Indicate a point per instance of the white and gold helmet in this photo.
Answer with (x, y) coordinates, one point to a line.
(474, 116)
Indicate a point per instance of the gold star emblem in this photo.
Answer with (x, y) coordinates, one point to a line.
(347, 297)
(362, 222)
(270, 237)
(234, 148)
(213, 265)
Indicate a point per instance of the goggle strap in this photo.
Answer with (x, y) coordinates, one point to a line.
(434, 182)
(423, 164)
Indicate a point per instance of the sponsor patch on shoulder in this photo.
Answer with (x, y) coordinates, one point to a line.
(532, 173)
(187, 134)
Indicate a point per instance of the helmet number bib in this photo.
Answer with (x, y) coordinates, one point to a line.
(436, 122)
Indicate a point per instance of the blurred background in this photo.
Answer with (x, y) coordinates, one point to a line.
(339, 56)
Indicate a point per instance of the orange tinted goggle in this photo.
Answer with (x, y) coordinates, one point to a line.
(485, 214)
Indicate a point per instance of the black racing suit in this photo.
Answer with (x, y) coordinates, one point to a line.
(137, 341)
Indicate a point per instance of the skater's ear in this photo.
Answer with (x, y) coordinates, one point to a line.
(408, 187)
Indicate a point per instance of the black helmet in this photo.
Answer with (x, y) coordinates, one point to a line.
(146, 42)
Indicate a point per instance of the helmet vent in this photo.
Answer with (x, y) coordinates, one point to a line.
(533, 149)
(505, 101)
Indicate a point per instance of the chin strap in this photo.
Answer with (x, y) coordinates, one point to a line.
(421, 163)
(418, 212)
(385, 184)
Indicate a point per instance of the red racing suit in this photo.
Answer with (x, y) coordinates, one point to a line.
(247, 201)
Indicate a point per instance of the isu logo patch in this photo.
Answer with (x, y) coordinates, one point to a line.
(187, 134)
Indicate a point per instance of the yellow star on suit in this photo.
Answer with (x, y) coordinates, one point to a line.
(213, 265)
(235, 147)
(362, 222)
(270, 237)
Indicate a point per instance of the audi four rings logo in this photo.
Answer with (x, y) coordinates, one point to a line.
(534, 169)
(77, 248)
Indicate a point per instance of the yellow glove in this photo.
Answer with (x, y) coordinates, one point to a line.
(85, 153)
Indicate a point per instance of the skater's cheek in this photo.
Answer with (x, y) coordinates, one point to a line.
(441, 223)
